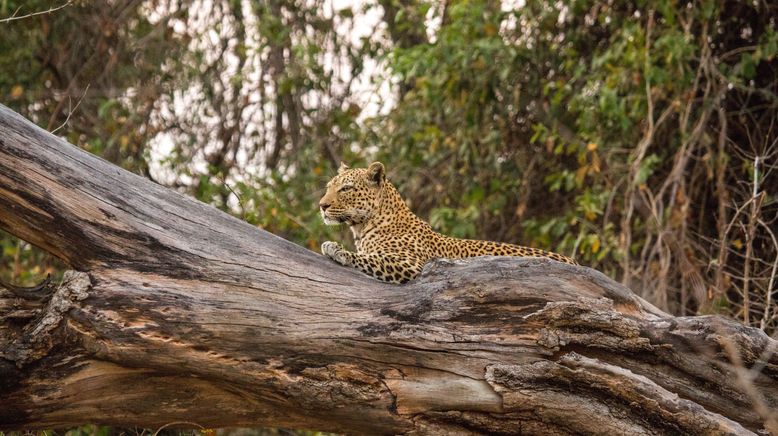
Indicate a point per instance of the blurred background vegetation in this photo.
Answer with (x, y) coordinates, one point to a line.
(638, 137)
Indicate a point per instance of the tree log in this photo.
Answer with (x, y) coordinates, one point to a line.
(178, 313)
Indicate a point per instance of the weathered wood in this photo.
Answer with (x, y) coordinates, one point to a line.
(181, 313)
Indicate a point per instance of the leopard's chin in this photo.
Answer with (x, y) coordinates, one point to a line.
(332, 221)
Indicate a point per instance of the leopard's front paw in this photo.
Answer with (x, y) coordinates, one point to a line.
(334, 251)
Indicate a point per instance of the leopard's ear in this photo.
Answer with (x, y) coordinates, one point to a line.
(376, 173)
(343, 167)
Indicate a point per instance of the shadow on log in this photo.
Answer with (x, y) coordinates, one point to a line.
(177, 312)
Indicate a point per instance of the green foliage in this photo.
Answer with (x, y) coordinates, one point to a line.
(25, 265)
(595, 126)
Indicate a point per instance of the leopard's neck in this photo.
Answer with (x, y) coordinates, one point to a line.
(391, 215)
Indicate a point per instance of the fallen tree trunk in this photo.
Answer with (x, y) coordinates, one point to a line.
(179, 313)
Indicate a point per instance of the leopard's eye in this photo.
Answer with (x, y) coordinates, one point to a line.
(345, 188)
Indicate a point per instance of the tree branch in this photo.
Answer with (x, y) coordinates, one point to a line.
(179, 313)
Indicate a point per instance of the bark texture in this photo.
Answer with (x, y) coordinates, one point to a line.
(177, 312)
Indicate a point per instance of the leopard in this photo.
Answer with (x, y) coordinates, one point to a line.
(392, 243)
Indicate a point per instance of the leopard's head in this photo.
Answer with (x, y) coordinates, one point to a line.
(351, 195)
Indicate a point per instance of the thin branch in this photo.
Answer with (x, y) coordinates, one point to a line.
(13, 17)
(744, 378)
(756, 205)
(771, 283)
(626, 223)
(722, 194)
(70, 111)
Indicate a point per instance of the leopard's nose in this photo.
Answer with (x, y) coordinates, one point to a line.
(324, 206)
